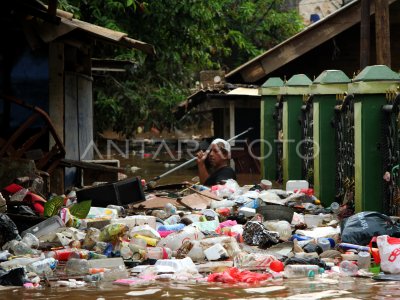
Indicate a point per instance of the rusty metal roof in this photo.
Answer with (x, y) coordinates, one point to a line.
(49, 32)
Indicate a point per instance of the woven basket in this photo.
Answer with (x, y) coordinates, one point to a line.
(276, 212)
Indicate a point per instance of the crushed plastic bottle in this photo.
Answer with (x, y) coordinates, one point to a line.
(77, 266)
(295, 271)
(43, 267)
(348, 268)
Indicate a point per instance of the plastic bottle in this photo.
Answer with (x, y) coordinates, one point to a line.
(348, 268)
(158, 252)
(44, 266)
(31, 240)
(347, 246)
(77, 266)
(294, 271)
(174, 227)
(364, 260)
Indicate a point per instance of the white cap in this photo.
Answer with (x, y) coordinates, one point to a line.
(222, 144)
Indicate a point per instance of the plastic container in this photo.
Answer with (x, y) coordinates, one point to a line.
(132, 221)
(348, 268)
(47, 226)
(296, 271)
(216, 252)
(42, 267)
(364, 260)
(224, 203)
(158, 253)
(324, 243)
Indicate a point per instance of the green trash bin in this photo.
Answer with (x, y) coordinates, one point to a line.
(269, 92)
(326, 89)
(293, 93)
(370, 89)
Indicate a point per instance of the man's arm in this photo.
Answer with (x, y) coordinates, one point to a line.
(201, 166)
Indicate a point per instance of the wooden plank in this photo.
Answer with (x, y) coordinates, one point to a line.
(85, 117)
(365, 42)
(56, 88)
(382, 33)
(71, 122)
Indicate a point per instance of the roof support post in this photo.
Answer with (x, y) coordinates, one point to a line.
(382, 33)
(365, 39)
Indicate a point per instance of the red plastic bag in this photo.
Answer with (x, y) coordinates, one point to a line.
(234, 275)
(34, 200)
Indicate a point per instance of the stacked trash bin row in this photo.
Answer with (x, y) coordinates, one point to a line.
(339, 134)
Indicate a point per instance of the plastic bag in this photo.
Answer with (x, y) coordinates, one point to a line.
(255, 233)
(234, 275)
(360, 228)
(389, 251)
(8, 230)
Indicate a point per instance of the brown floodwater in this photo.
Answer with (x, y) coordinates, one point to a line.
(317, 288)
(304, 288)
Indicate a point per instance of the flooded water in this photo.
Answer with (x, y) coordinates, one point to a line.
(304, 288)
(149, 168)
(318, 288)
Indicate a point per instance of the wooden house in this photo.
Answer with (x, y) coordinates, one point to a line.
(361, 33)
(46, 62)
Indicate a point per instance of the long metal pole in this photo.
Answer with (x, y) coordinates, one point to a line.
(152, 182)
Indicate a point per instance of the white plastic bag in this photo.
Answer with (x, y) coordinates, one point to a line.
(389, 251)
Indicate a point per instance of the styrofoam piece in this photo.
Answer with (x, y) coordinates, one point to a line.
(132, 221)
(292, 185)
(179, 265)
(313, 220)
(47, 226)
(247, 211)
(108, 263)
(216, 252)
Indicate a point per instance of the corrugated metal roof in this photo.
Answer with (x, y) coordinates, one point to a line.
(49, 32)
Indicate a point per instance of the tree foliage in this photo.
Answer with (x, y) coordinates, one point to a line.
(189, 36)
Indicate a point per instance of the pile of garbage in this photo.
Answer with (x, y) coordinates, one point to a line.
(249, 234)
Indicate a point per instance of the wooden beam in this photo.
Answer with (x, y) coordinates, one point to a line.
(52, 9)
(365, 39)
(301, 43)
(382, 33)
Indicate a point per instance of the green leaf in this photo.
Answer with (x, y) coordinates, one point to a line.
(129, 3)
(52, 206)
(81, 209)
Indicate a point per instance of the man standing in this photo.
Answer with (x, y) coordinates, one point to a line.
(219, 156)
